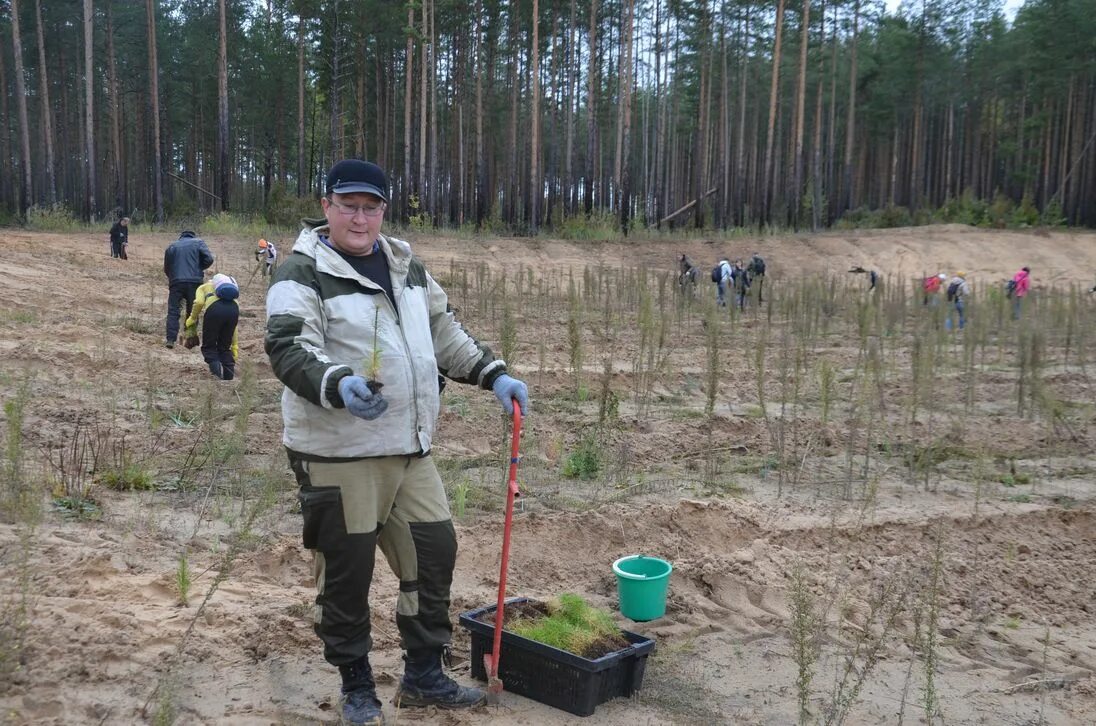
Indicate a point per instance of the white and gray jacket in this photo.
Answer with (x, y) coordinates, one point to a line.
(320, 328)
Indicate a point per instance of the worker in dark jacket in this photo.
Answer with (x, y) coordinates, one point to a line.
(119, 238)
(184, 261)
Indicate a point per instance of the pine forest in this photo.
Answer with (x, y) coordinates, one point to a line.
(537, 115)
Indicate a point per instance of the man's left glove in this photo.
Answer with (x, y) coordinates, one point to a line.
(506, 389)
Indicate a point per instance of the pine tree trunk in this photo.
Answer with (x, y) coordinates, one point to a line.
(6, 172)
(1062, 150)
(571, 72)
(409, 80)
(300, 106)
(800, 112)
(654, 183)
(588, 181)
(424, 183)
(534, 113)
(433, 185)
(223, 165)
(850, 121)
(47, 109)
(359, 103)
(700, 149)
(830, 174)
(723, 153)
(740, 139)
(480, 69)
(949, 154)
(120, 201)
(767, 181)
(154, 112)
(511, 203)
(89, 110)
(620, 169)
(26, 193)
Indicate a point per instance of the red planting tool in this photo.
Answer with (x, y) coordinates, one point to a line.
(491, 660)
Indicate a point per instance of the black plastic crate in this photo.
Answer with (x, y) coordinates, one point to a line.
(555, 677)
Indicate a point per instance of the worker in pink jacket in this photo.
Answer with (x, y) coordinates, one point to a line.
(1017, 290)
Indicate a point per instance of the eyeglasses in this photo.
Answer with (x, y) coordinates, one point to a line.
(350, 210)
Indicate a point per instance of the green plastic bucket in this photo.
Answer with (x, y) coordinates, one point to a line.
(642, 583)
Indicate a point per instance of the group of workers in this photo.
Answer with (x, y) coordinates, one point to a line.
(211, 303)
(738, 276)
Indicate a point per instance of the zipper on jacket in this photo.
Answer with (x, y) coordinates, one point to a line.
(411, 362)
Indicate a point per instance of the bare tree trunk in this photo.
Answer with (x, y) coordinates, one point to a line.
(424, 182)
(571, 72)
(26, 194)
(336, 125)
(6, 172)
(816, 161)
(916, 174)
(409, 78)
(512, 194)
(624, 118)
(700, 154)
(724, 153)
(534, 112)
(830, 175)
(850, 122)
(1062, 150)
(893, 166)
(655, 186)
(300, 106)
(225, 171)
(47, 109)
(949, 153)
(740, 136)
(89, 109)
(767, 181)
(591, 113)
(115, 118)
(154, 112)
(800, 110)
(434, 186)
(460, 207)
(359, 103)
(480, 68)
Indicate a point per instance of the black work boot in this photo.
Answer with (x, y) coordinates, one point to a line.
(425, 684)
(360, 706)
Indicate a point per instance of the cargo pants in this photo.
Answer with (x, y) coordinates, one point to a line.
(349, 509)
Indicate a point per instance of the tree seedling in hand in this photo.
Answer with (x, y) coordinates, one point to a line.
(373, 362)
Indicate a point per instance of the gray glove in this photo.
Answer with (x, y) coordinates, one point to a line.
(506, 389)
(360, 400)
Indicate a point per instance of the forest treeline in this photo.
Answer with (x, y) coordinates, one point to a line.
(529, 115)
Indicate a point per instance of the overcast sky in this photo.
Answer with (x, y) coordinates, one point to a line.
(1011, 6)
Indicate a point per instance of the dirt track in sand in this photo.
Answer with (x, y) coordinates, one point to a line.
(106, 619)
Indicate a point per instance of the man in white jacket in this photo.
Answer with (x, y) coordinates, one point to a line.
(358, 331)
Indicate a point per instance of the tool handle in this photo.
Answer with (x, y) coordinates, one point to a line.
(511, 493)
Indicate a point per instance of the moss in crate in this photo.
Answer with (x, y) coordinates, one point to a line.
(571, 624)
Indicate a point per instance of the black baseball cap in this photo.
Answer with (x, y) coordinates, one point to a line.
(354, 175)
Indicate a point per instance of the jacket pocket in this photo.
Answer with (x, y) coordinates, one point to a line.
(324, 523)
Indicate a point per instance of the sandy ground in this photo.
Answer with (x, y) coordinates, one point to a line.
(1016, 624)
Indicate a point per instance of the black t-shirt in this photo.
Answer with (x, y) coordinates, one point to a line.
(373, 267)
